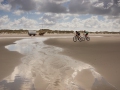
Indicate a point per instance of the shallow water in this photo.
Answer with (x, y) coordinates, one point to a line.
(58, 71)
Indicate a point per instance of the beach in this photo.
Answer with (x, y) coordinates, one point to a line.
(8, 60)
(53, 62)
(100, 52)
(44, 45)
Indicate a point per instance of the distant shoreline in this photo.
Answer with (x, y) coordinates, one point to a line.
(48, 31)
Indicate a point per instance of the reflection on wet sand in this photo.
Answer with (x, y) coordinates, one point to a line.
(18, 84)
(43, 68)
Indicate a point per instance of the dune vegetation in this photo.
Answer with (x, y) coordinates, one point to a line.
(48, 31)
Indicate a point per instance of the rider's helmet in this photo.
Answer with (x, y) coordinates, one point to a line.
(76, 31)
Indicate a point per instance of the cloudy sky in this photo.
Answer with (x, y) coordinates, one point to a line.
(91, 15)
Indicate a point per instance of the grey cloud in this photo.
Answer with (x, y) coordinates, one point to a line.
(26, 5)
(109, 7)
(116, 1)
(82, 7)
(41, 6)
(52, 7)
(113, 17)
(60, 1)
(105, 2)
(77, 6)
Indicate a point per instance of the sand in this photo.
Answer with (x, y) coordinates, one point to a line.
(103, 53)
(8, 59)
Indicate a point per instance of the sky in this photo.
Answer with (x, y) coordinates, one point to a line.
(90, 15)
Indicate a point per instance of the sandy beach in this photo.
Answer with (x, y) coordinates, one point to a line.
(103, 53)
(8, 59)
(52, 68)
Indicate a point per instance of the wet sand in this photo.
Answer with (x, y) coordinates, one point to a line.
(103, 53)
(8, 59)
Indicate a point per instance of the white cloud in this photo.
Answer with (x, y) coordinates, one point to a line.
(4, 7)
(4, 19)
(116, 24)
(18, 12)
(66, 18)
(90, 24)
(56, 17)
(75, 23)
(49, 22)
(38, 13)
(25, 23)
(22, 23)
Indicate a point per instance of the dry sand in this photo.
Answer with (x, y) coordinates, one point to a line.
(103, 53)
(8, 59)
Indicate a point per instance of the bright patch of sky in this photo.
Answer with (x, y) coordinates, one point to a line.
(91, 15)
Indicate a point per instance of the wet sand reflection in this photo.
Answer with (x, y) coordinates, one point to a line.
(57, 72)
